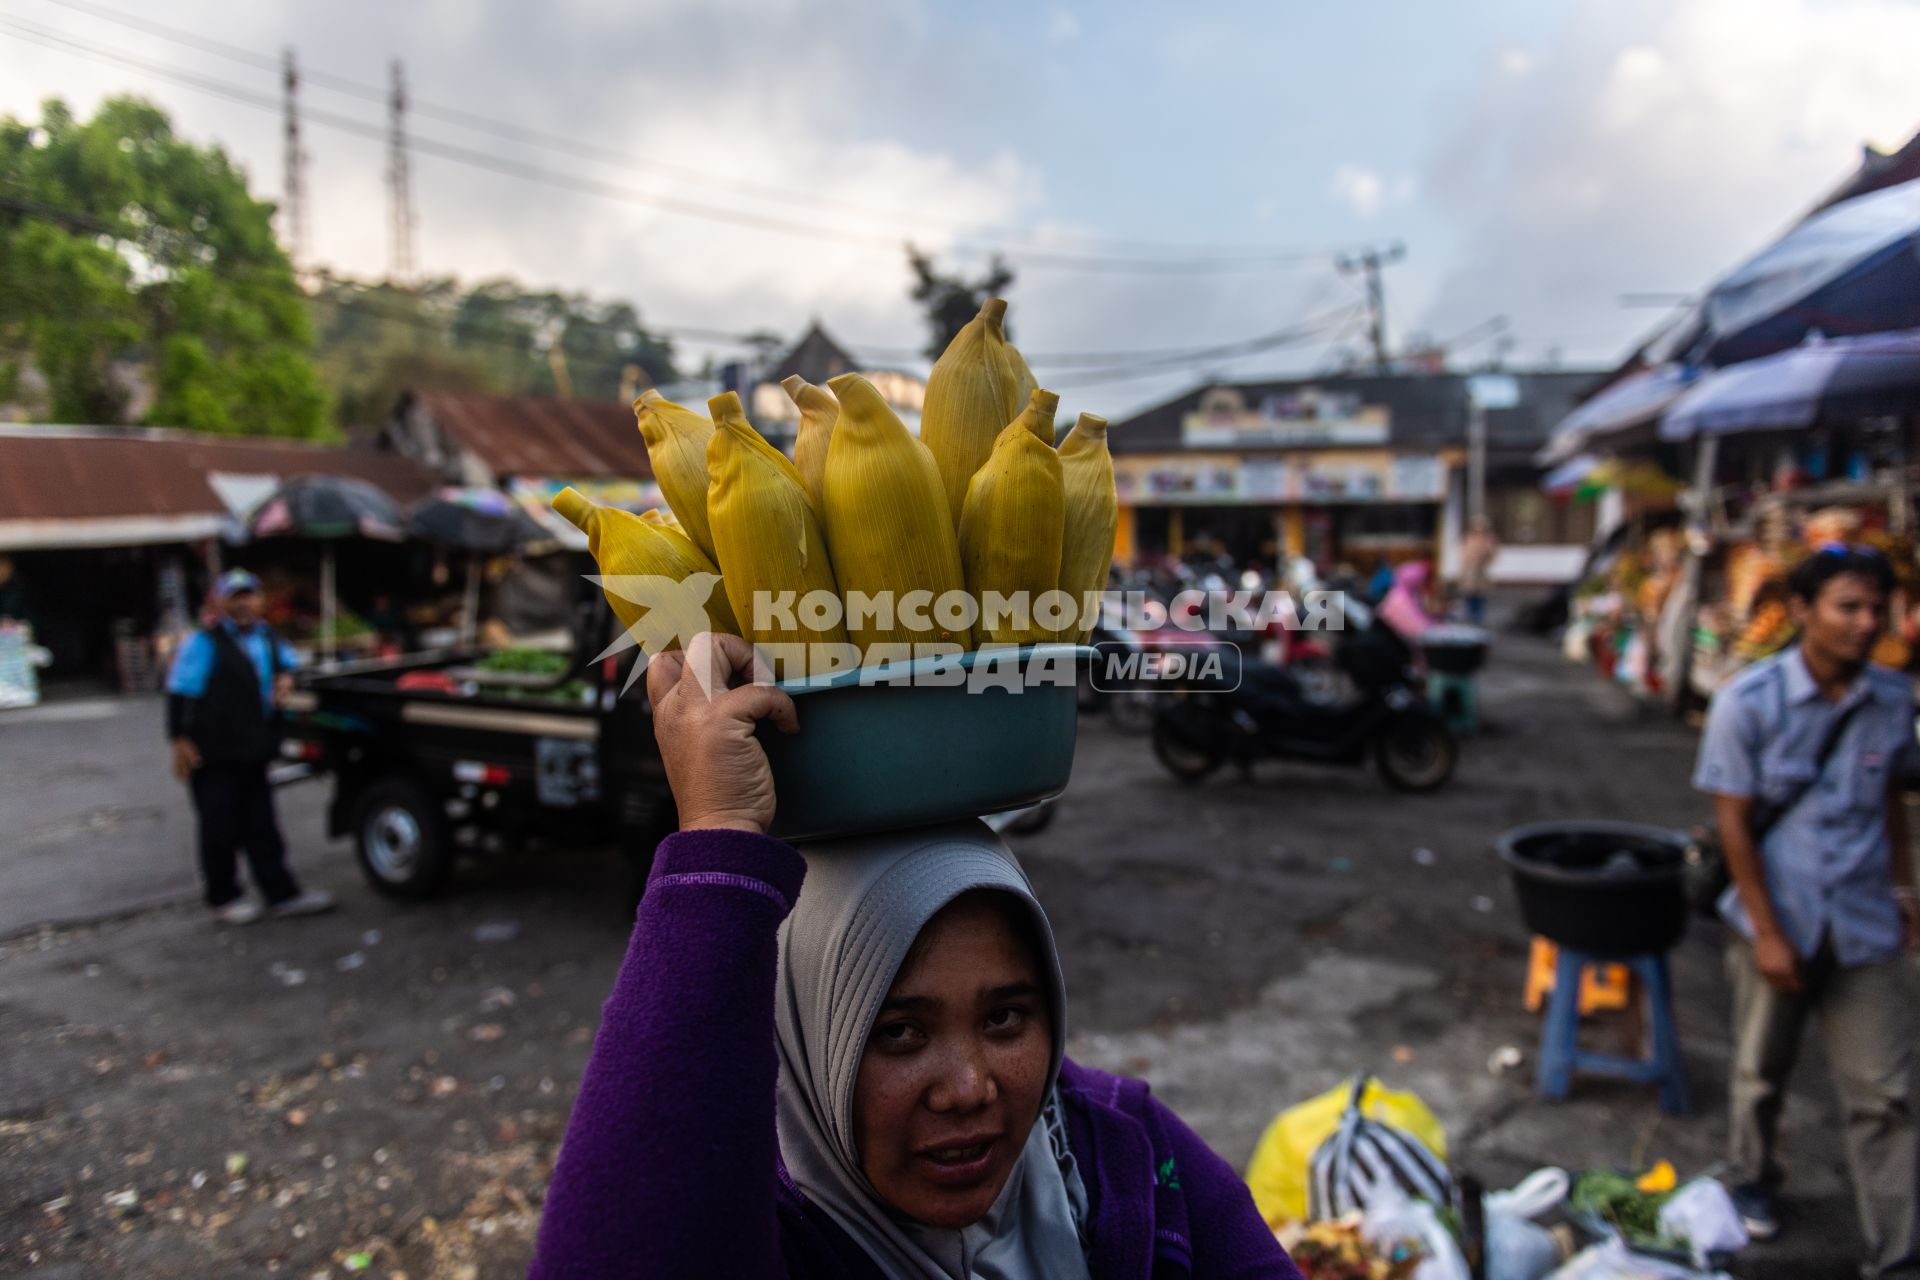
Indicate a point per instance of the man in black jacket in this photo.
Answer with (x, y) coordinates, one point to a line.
(226, 681)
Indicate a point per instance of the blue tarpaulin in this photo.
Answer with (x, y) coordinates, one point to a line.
(1852, 268)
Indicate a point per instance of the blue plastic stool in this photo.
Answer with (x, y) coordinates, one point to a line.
(1456, 699)
(1561, 1055)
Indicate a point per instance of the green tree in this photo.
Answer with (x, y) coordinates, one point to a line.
(951, 300)
(375, 341)
(122, 246)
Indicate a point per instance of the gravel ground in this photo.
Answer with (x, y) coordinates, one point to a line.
(381, 1091)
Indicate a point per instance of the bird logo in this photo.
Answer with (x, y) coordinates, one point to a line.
(676, 612)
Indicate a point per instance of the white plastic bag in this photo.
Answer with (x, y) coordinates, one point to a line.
(1518, 1248)
(1610, 1260)
(1392, 1217)
(1702, 1214)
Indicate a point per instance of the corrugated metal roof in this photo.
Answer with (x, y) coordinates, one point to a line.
(53, 473)
(534, 436)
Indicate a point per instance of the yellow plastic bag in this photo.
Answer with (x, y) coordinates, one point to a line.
(1277, 1174)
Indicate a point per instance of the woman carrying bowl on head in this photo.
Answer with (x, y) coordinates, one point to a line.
(864, 1078)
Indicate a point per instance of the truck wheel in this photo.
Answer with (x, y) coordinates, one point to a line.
(401, 837)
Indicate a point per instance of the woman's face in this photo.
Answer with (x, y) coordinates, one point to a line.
(953, 1075)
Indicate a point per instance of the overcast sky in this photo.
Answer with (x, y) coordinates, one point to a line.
(1538, 159)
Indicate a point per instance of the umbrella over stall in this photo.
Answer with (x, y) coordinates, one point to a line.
(1859, 377)
(1851, 268)
(481, 522)
(326, 508)
(1608, 417)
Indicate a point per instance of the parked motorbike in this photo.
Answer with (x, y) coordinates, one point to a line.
(1248, 710)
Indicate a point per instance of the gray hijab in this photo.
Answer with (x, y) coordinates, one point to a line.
(864, 903)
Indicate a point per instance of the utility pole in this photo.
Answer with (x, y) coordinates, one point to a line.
(293, 196)
(1368, 262)
(399, 184)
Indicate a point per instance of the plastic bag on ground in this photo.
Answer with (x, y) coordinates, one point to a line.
(1611, 1260)
(1702, 1214)
(1392, 1217)
(1517, 1247)
(1278, 1172)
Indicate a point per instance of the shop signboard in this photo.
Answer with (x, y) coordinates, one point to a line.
(1302, 417)
(1181, 480)
(1176, 480)
(1417, 478)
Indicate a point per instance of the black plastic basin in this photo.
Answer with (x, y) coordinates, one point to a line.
(1606, 888)
(1455, 649)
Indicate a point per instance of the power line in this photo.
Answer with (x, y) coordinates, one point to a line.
(596, 152)
(1082, 368)
(1040, 257)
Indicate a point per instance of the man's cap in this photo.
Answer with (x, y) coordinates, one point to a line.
(233, 582)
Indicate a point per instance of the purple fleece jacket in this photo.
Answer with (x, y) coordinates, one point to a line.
(671, 1166)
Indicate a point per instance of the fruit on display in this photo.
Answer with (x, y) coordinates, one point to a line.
(1768, 631)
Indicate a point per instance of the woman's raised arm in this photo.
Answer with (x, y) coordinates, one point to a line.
(668, 1167)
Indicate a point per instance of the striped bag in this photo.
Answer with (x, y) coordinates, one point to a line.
(1362, 1154)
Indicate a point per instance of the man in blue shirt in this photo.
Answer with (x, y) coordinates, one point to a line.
(1824, 904)
(225, 684)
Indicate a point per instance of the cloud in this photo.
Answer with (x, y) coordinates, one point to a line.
(1651, 148)
(1362, 189)
(1062, 27)
(760, 92)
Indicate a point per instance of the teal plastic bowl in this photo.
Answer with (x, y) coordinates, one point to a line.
(873, 756)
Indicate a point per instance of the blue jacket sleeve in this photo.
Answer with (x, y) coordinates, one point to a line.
(670, 1159)
(191, 667)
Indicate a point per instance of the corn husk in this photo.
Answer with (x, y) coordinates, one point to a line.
(975, 389)
(767, 534)
(1024, 382)
(818, 410)
(677, 440)
(1038, 416)
(886, 516)
(1011, 532)
(725, 408)
(1092, 511)
(628, 546)
(663, 520)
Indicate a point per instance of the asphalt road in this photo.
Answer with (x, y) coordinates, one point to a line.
(384, 1088)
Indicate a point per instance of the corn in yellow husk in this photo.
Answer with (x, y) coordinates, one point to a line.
(663, 520)
(975, 389)
(768, 537)
(1038, 416)
(818, 410)
(1011, 533)
(888, 530)
(725, 408)
(676, 440)
(628, 546)
(1092, 514)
